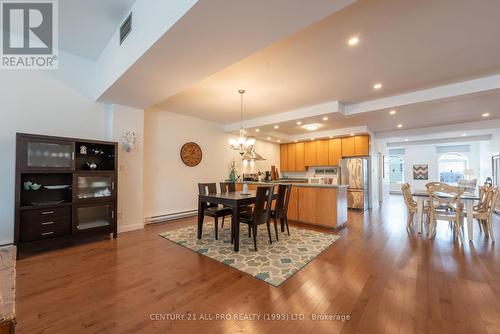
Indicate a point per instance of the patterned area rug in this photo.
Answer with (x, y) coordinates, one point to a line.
(273, 264)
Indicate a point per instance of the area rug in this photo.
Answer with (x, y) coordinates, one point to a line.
(273, 264)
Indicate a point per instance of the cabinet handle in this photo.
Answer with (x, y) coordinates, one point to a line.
(47, 212)
(47, 233)
(72, 155)
(112, 213)
(112, 186)
(48, 223)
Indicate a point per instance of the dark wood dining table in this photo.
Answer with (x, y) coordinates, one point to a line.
(234, 200)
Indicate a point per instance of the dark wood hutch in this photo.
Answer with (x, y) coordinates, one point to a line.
(66, 189)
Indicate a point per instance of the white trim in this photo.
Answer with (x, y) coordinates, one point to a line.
(467, 139)
(171, 216)
(127, 228)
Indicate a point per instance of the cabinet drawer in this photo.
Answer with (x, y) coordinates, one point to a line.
(49, 213)
(44, 228)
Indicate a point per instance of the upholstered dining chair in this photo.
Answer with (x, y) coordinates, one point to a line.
(411, 204)
(281, 208)
(214, 210)
(445, 195)
(261, 212)
(484, 212)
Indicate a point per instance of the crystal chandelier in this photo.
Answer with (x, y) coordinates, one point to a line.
(242, 144)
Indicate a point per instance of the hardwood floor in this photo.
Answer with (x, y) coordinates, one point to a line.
(386, 279)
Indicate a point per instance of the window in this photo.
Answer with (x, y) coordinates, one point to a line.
(396, 169)
(451, 167)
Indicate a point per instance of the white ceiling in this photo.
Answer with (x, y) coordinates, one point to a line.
(86, 26)
(455, 110)
(406, 45)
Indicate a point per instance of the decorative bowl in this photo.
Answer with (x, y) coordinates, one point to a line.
(35, 186)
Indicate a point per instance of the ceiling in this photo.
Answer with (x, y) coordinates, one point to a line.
(86, 26)
(406, 45)
(455, 110)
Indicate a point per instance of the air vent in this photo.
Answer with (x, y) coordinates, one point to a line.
(125, 28)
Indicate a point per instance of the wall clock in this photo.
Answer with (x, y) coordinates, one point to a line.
(191, 154)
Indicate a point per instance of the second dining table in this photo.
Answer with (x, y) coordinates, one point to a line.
(467, 198)
(234, 200)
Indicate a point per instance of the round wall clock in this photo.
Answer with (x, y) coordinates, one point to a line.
(191, 154)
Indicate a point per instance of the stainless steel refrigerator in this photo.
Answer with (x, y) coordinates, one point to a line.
(355, 172)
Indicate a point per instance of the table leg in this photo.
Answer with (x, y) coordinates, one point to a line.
(470, 216)
(235, 228)
(201, 215)
(420, 213)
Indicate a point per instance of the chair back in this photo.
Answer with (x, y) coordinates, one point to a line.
(492, 197)
(281, 207)
(433, 184)
(263, 203)
(483, 196)
(227, 187)
(444, 195)
(405, 189)
(469, 186)
(207, 188)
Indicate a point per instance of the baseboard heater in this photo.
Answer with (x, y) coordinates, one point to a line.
(170, 216)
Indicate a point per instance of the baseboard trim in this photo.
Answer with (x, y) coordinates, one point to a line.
(128, 228)
(171, 216)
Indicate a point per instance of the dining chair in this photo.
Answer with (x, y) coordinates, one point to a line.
(481, 205)
(411, 204)
(214, 210)
(227, 187)
(281, 208)
(441, 195)
(484, 213)
(261, 212)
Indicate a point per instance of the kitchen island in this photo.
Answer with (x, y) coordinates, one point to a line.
(314, 204)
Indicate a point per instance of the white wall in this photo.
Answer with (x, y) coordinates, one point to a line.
(130, 165)
(36, 102)
(169, 185)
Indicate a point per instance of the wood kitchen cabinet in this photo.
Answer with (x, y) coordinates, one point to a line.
(291, 157)
(322, 152)
(299, 157)
(348, 147)
(310, 151)
(293, 204)
(284, 157)
(361, 145)
(307, 204)
(334, 151)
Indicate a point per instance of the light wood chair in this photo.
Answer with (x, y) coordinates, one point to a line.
(484, 213)
(483, 193)
(443, 195)
(411, 204)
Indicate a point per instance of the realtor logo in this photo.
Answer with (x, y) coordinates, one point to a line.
(29, 34)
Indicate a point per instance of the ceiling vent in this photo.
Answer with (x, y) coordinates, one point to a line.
(125, 28)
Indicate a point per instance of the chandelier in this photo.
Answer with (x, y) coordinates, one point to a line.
(242, 144)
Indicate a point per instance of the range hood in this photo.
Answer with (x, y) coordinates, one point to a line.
(252, 155)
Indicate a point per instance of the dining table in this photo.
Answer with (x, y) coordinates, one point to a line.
(466, 197)
(234, 200)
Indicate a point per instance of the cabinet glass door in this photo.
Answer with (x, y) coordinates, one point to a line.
(49, 154)
(89, 217)
(95, 186)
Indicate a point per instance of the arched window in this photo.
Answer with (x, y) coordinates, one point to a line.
(396, 169)
(451, 167)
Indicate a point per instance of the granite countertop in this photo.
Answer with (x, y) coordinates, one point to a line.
(300, 184)
(7, 282)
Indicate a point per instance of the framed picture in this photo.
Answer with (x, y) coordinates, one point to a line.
(421, 172)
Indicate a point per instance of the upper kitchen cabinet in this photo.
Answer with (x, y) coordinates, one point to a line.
(284, 157)
(334, 151)
(348, 147)
(310, 151)
(41, 153)
(362, 145)
(299, 157)
(322, 153)
(291, 157)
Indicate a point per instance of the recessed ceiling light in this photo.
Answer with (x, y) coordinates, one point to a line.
(279, 141)
(406, 139)
(268, 138)
(295, 141)
(331, 137)
(312, 138)
(276, 127)
(354, 40)
(392, 112)
(312, 126)
(464, 134)
(299, 123)
(325, 118)
(257, 130)
(378, 85)
(352, 134)
(486, 114)
(400, 125)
